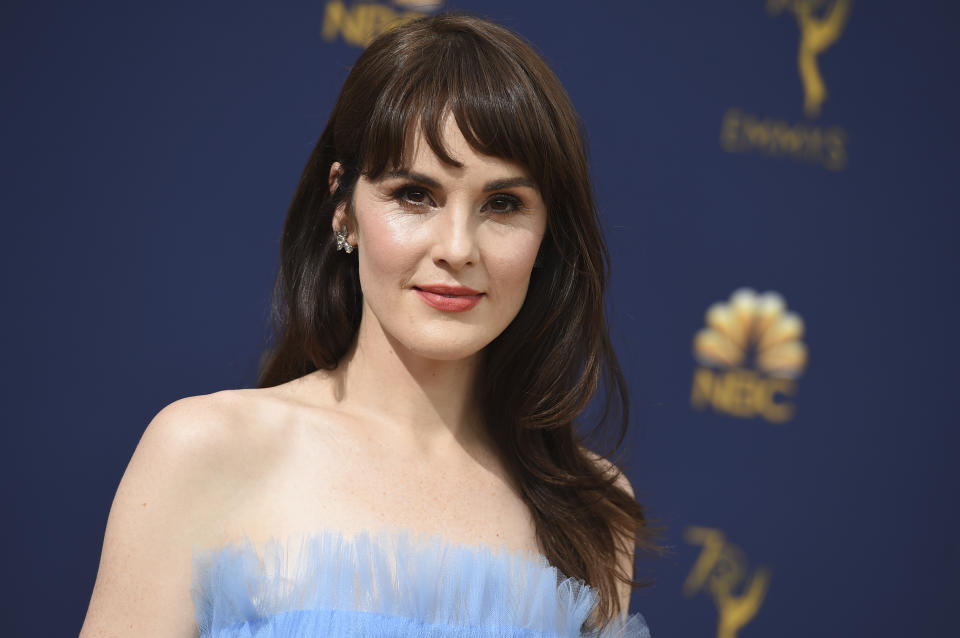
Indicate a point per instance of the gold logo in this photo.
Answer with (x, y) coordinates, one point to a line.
(817, 33)
(360, 22)
(756, 344)
(820, 23)
(721, 568)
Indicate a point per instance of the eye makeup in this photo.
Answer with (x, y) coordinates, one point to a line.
(417, 198)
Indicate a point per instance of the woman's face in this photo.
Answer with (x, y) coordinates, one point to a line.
(445, 253)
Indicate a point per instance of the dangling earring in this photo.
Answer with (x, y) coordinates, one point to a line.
(342, 241)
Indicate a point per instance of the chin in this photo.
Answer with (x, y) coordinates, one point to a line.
(445, 349)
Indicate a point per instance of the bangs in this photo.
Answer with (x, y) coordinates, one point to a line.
(487, 88)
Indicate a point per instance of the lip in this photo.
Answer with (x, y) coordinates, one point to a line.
(449, 298)
(443, 289)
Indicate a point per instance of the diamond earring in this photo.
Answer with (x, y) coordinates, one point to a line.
(342, 241)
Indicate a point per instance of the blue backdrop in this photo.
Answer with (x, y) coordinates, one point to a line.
(778, 181)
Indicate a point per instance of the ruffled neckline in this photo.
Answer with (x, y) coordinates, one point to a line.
(397, 573)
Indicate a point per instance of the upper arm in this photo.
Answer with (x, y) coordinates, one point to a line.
(627, 547)
(143, 582)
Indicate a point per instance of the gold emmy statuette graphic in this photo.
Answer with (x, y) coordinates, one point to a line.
(750, 354)
(721, 569)
(817, 33)
(820, 24)
(358, 23)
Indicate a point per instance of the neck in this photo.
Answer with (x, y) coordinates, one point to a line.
(412, 399)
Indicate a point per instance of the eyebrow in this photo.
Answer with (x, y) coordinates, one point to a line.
(495, 185)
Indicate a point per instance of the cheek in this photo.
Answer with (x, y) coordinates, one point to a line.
(385, 251)
(510, 265)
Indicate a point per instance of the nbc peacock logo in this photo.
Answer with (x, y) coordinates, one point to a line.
(750, 354)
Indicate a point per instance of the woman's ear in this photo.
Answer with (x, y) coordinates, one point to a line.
(340, 220)
(333, 180)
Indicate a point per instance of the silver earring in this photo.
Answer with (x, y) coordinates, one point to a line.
(342, 241)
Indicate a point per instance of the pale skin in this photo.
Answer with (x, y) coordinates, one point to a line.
(391, 439)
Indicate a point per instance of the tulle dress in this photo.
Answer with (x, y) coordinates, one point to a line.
(397, 584)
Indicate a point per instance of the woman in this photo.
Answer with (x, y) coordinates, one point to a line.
(440, 326)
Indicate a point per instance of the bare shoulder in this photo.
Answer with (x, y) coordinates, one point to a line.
(213, 433)
(174, 490)
(198, 445)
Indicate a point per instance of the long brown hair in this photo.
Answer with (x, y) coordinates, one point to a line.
(539, 374)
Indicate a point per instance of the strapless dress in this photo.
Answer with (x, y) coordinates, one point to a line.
(393, 583)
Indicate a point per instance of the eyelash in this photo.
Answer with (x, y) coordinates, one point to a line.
(401, 193)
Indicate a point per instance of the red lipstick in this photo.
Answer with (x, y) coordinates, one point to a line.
(449, 298)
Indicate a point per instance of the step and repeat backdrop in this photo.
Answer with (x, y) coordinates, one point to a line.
(778, 183)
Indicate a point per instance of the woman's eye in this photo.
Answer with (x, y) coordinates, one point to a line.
(416, 197)
(505, 204)
(409, 196)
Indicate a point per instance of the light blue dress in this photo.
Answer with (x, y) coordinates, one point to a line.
(397, 584)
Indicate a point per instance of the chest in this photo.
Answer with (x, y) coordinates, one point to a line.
(353, 488)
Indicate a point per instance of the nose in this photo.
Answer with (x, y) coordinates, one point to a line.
(455, 237)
